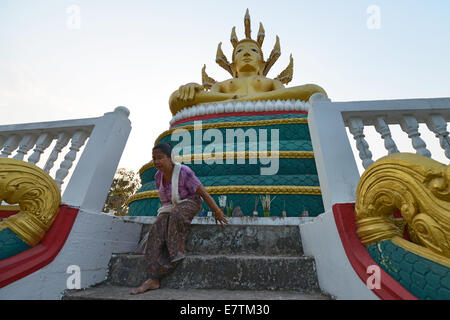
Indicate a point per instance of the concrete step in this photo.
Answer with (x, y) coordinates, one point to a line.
(109, 292)
(238, 272)
(281, 240)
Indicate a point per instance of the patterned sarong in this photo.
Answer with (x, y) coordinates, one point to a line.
(167, 237)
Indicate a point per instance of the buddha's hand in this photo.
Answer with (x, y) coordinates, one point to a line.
(188, 91)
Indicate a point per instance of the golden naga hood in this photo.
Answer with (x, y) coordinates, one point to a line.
(248, 70)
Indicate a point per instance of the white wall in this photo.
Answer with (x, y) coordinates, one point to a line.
(320, 239)
(93, 239)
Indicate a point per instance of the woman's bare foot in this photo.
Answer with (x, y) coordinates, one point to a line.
(150, 284)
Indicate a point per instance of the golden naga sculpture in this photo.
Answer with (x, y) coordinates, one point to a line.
(417, 186)
(37, 195)
(248, 69)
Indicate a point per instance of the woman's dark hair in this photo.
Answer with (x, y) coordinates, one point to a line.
(165, 148)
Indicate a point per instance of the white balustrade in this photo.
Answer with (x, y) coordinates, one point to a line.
(2, 141)
(25, 145)
(383, 129)
(61, 142)
(43, 142)
(335, 162)
(78, 140)
(356, 127)
(410, 125)
(91, 178)
(438, 125)
(10, 145)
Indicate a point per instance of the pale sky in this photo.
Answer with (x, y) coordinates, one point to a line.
(136, 53)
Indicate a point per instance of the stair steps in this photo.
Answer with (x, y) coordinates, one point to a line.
(237, 262)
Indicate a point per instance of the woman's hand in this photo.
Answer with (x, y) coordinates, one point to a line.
(187, 92)
(219, 216)
(218, 213)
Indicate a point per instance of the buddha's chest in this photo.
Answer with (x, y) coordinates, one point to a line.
(248, 86)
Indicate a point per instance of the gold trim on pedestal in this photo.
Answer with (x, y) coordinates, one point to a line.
(240, 190)
(37, 195)
(238, 155)
(417, 186)
(9, 207)
(218, 125)
(420, 251)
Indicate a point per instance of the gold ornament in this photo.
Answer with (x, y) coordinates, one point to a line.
(207, 81)
(286, 75)
(222, 60)
(37, 195)
(417, 186)
(248, 70)
(274, 55)
(248, 31)
(233, 38)
(10, 207)
(261, 35)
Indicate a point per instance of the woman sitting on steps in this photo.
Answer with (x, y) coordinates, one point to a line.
(181, 193)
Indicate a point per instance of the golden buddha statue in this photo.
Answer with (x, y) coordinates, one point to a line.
(249, 81)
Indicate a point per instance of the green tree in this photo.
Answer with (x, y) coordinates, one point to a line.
(124, 185)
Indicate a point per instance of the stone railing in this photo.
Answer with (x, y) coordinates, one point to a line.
(106, 137)
(336, 164)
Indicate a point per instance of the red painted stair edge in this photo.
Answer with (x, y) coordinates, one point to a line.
(390, 289)
(33, 259)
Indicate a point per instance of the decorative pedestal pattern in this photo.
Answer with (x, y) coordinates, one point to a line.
(294, 187)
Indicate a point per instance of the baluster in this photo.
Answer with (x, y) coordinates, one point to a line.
(10, 145)
(356, 128)
(63, 140)
(438, 125)
(25, 145)
(383, 129)
(78, 140)
(42, 143)
(410, 125)
(2, 142)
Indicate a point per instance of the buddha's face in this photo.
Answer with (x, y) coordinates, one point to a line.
(247, 57)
